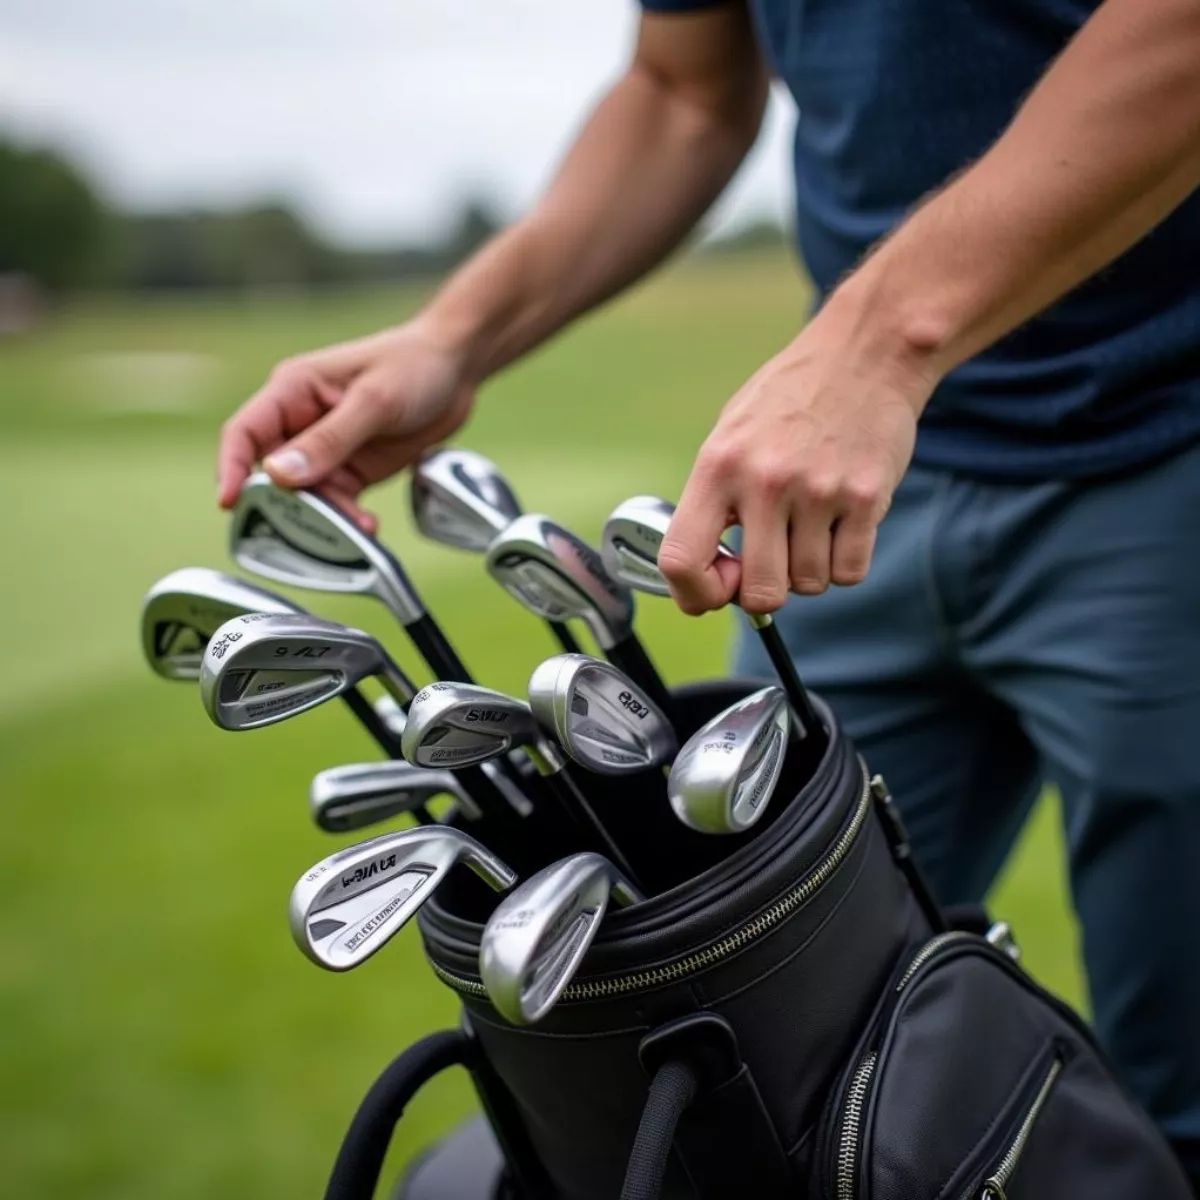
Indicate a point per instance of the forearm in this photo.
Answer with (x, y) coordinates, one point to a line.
(648, 164)
(1103, 149)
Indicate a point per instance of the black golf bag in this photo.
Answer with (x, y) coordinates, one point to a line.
(788, 1016)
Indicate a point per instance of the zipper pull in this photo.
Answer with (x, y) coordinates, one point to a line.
(993, 1191)
(1001, 936)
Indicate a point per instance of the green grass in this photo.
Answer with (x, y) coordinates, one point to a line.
(160, 1037)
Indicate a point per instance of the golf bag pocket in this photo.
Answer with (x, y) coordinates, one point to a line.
(971, 1083)
(766, 960)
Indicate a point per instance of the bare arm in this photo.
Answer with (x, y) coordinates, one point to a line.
(655, 154)
(807, 455)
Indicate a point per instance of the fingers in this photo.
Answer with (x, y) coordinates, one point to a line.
(764, 520)
(699, 581)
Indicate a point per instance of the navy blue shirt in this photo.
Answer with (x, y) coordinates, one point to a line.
(895, 96)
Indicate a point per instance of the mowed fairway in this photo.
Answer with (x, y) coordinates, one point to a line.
(160, 1037)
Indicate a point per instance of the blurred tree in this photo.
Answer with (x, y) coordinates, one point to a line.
(53, 226)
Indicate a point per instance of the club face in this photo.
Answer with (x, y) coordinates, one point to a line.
(301, 539)
(460, 499)
(454, 725)
(559, 577)
(602, 720)
(263, 668)
(184, 609)
(352, 903)
(537, 937)
(357, 795)
(722, 779)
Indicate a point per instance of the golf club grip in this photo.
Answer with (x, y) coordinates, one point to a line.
(630, 655)
(371, 721)
(797, 693)
(443, 660)
(590, 825)
(564, 636)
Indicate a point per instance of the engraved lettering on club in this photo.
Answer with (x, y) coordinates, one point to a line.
(450, 755)
(373, 924)
(308, 650)
(430, 689)
(491, 716)
(294, 510)
(628, 702)
(217, 649)
(728, 743)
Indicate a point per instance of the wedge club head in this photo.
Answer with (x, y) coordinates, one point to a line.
(722, 779)
(353, 902)
(455, 725)
(357, 795)
(184, 609)
(263, 668)
(537, 937)
(459, 498)
(599, 716)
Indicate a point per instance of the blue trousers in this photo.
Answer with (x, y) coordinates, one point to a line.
(1013, 634)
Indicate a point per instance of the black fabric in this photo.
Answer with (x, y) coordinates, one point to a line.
(671, 1092)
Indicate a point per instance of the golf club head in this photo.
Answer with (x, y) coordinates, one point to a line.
(559, 577)
(185, 608)
(535, 940)
(352, 903)
(722, 779)
(459, 498)
(603, 720)
(633, 536)
(354, 796)
(300, 538)
(456, 725)
(263, 668)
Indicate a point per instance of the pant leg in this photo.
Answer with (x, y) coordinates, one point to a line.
(1092, 632)
(882, 655)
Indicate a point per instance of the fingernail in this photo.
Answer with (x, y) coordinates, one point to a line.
(291, 464)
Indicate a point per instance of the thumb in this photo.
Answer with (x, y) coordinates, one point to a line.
(325, 445)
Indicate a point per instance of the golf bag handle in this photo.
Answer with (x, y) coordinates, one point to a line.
(697, 1070)
(355, 1174)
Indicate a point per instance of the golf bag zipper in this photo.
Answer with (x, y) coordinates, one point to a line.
(995, 1184)
(851, 1132)
(715, 953)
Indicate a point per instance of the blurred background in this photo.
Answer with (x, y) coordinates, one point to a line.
(188, 192)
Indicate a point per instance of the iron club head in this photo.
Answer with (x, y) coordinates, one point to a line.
(599, 716)
(184, 609)
(459, 498)
(356, 795)
(535, 940)
(352, 903)
(300, 538)
(263, 668)
(559, 577)
(456, 725)
(722, 779)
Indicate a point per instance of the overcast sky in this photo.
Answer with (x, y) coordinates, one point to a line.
(376, 115)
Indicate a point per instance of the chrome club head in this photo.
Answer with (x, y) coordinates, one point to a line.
(599, 716)
(352, 903)
(456, 725)
(559, 577)
(360, 794)
(459, 498)
(722, 779)
(299, 538)
(185, 608)
(535, 940)
(263, 668)
(633, 536)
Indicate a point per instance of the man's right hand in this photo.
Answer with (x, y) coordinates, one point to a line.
(340, 419)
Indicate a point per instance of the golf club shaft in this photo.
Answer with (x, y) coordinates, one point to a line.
(371, 721)
(564, 636)
(630, 656)
(785, 668)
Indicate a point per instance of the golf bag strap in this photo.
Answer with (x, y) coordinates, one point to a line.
(355, 1174)
(701, 1097)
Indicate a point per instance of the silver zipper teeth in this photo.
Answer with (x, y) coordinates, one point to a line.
(927, 951)
(847, 1159)
(707, 957)
(995, 1184)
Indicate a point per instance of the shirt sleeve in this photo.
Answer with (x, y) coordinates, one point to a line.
(671, 6)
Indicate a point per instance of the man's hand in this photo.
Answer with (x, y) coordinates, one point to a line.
(805, 457)
(342, 418)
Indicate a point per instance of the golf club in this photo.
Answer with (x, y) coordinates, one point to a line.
(352, 903)
(600, 717)
(535, 940)
(559, 577)
(354, 796)
(453, 725)
(633, 536)
(302, 539)
(459, 498)
(723, 778)
(184, 609)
